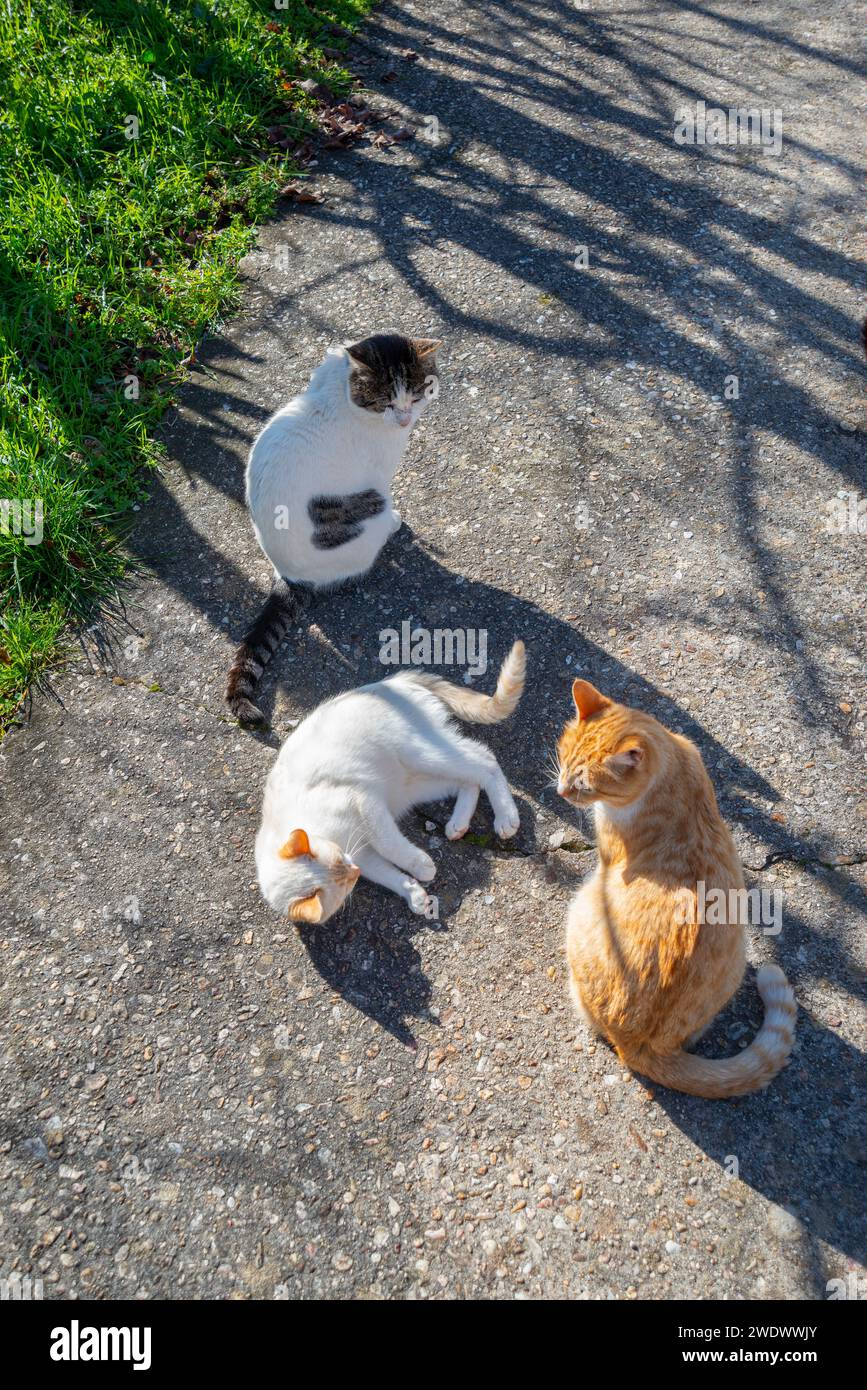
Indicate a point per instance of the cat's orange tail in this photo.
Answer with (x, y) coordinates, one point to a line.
(751, 1070)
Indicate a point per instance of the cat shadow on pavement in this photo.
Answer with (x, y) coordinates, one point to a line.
(367, 952)
(368, 956)
(339, 648)
(801, 1143)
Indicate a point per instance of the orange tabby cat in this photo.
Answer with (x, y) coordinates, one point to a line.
(644, 970)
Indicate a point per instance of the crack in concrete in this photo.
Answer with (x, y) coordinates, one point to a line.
(782, 856)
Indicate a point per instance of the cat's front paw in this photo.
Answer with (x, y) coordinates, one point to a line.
(455, 830)
(424, 904)
(396, 522)
(508, 825)
(423, 867)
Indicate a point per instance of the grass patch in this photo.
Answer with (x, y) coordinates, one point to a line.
(141, 141)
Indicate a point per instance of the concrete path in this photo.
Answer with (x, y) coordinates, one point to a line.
(197, 1101)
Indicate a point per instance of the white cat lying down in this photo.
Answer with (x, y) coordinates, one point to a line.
(358, 763)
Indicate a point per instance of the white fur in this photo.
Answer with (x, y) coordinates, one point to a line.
(617, 816)
(347, 775)
(323, 444)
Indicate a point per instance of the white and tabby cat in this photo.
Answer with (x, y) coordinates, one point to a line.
(319, 484)
(358, 763)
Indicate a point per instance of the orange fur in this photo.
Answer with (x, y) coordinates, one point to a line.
(298, 843)
(307, 909)
(643, 970)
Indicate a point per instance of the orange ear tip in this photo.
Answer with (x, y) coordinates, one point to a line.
(297, 844)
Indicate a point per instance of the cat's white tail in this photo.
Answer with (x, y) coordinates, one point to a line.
(471, 705)
(751, 1070)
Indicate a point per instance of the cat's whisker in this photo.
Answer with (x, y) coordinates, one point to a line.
(552, 763)
(357, 846)
(554, 769)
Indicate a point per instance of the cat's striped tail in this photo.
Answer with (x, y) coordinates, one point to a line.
(475, 708)
(751, 1070)
(282, 608)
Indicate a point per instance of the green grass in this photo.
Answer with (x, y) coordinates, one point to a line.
(116, 254)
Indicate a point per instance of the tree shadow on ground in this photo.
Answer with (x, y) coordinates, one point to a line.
(697, 296)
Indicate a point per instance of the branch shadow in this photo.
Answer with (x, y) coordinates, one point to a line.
(710, 285)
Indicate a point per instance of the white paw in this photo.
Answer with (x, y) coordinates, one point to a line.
(454, 831)
(424, 904)
(507, 826)
(424, 868)
(396, 522)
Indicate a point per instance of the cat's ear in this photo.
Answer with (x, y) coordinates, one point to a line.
(359, 355)
(307, 909)
(588, 700)
(297, 843)
(425, 347)
(626, 760)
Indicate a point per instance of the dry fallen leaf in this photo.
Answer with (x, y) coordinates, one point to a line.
(300, 195)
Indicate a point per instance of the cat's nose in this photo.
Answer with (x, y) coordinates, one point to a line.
(404, 418)
(353, 873)
(563, 787)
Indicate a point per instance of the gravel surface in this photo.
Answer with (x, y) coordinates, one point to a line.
(198, 1101)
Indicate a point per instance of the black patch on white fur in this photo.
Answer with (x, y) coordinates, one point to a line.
(337, 520)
